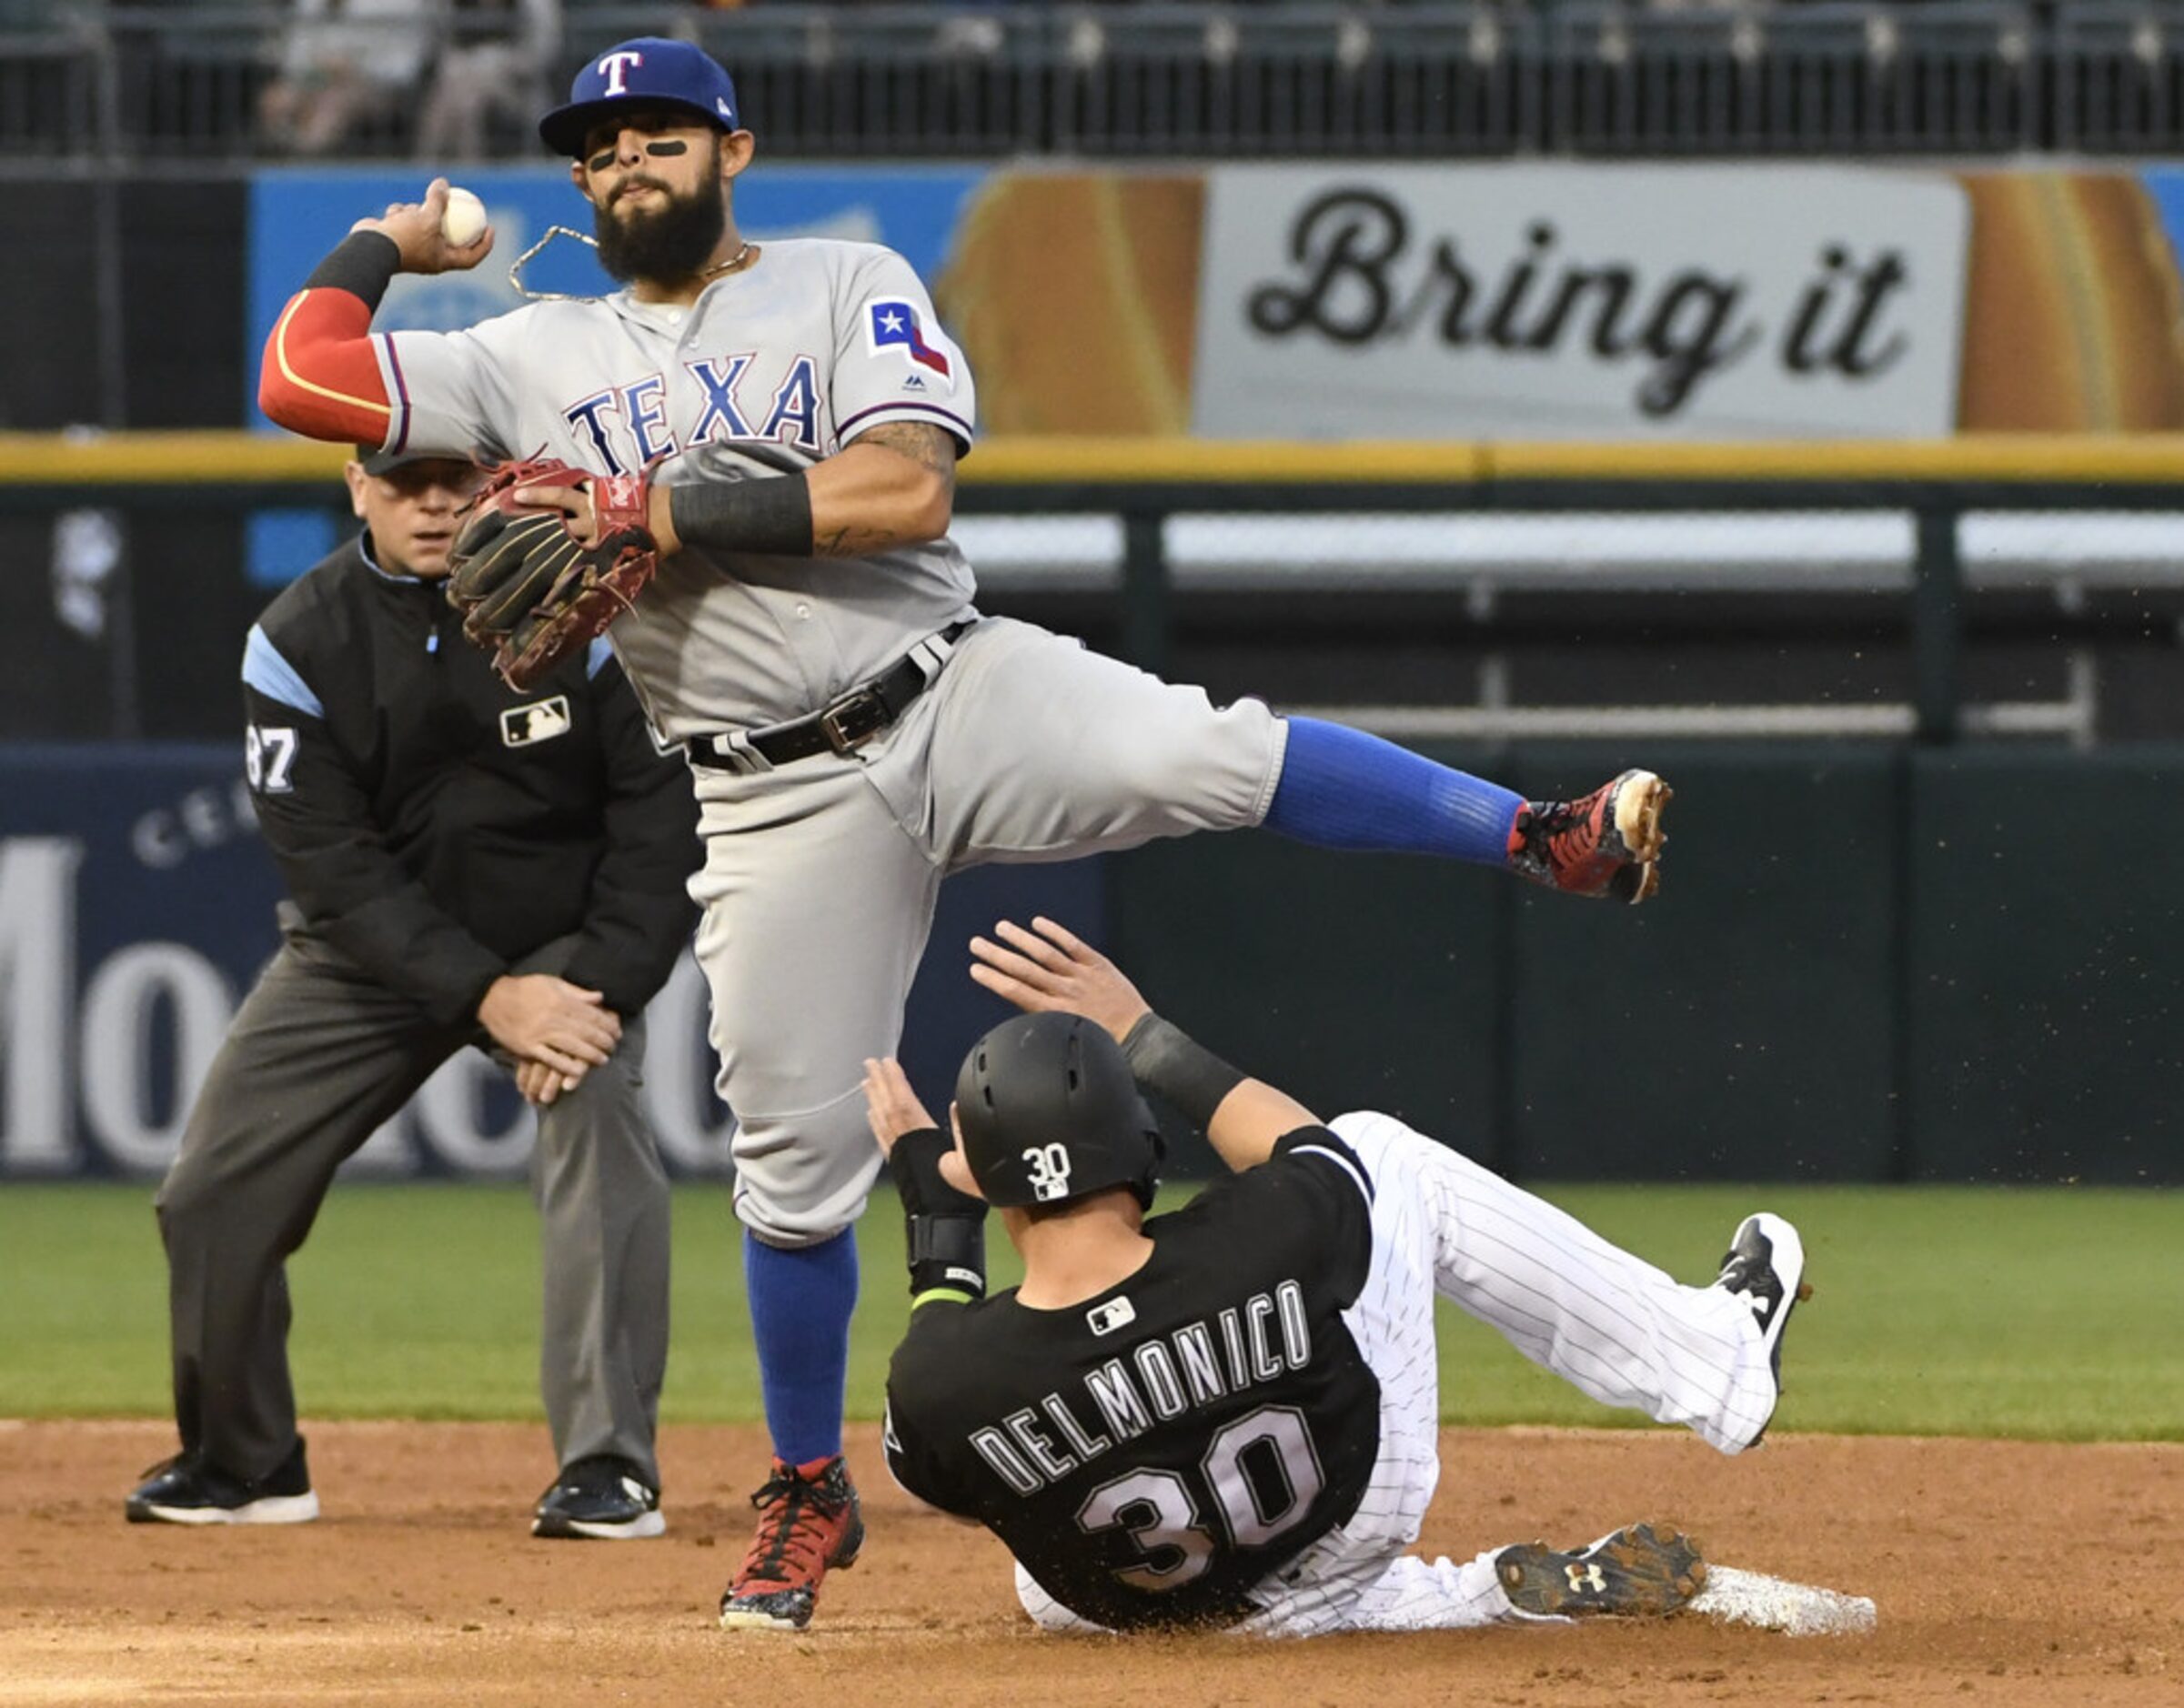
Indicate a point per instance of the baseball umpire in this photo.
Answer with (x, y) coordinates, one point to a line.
(465, 865)
(1227, 1416)
(752, 451)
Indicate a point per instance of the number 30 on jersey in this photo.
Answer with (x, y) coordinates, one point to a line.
(1264, 1472)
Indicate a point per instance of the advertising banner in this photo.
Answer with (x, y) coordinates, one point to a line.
(136, 910)
(1572, 301)
(1578, 302)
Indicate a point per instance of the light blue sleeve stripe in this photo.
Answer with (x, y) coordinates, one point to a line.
(595, 658)
(274, 676)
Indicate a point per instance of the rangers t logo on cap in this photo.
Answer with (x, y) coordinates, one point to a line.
(610, 68)
(647, 71)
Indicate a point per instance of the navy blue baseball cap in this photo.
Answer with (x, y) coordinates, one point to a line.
(648, 71)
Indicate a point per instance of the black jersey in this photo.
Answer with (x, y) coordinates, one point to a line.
(1150, 1455)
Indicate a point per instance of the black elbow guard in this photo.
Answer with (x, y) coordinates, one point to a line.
(946, 1229)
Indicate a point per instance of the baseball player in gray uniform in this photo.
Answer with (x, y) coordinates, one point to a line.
(782, 423)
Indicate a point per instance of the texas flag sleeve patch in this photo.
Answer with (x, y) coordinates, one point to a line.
(894, 324)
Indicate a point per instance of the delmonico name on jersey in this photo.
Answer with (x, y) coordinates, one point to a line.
(1237, 1349)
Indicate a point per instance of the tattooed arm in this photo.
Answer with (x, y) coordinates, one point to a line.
(894, 485)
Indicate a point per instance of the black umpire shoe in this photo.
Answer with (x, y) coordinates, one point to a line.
(186, 1490)
(1638, 1572)
(1764, 1267)
(603, 1498)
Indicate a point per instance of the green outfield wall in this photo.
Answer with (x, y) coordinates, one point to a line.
(1865, 963)
(1938, 953)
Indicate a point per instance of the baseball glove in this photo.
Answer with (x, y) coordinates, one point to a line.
(530, 589)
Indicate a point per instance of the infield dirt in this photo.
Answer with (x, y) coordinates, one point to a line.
(2005, 1572)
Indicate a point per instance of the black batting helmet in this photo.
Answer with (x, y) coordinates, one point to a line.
(1050, 1112)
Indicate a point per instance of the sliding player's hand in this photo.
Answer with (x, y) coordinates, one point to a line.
(1047, 970)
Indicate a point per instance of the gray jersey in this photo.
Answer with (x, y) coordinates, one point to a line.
(769, 371)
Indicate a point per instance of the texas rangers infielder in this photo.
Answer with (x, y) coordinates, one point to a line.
(785, 422)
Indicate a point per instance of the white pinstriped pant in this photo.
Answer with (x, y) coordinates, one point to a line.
(1608, 1322)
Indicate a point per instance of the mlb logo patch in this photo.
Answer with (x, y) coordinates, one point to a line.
(893, 324)
(1116, 1314)
(527, 726)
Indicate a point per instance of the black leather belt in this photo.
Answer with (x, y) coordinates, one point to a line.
(842, 727)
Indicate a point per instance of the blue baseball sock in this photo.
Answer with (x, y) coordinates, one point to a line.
(1342, 788)
(800, 1301)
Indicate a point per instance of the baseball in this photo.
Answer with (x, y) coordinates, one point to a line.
(464, 220)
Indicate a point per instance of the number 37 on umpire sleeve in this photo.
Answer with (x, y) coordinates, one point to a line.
(268, 758)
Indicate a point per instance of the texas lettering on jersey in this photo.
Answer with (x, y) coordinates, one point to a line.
(626, 426)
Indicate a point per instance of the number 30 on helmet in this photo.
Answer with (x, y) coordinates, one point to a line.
(1050, 1112)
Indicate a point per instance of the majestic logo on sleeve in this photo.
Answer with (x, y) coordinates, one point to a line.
(893, 324)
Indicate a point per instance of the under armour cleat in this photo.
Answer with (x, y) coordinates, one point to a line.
(809, 1522)
(1606, 843)
(1637, 1573)
(1764, 1267)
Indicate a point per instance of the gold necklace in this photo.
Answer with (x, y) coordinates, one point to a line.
(523, 260)
(728, 266)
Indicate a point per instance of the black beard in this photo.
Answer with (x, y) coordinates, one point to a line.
(667, 245)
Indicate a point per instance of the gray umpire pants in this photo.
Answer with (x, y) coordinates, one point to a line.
(319, 1055)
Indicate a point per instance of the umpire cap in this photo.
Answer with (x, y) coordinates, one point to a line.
(645, 71)
(378, 462)
(1050, 1112)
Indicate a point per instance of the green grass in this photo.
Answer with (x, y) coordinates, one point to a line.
(1956, 1310)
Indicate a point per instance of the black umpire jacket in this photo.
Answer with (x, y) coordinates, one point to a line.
(435, 827)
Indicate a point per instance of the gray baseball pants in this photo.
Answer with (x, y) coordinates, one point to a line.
(317, 1057)
(820, 876)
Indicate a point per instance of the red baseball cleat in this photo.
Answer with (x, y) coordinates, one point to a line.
(1606, 843)
(808, 1520)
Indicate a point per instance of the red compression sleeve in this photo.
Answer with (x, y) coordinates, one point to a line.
(320, 376)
